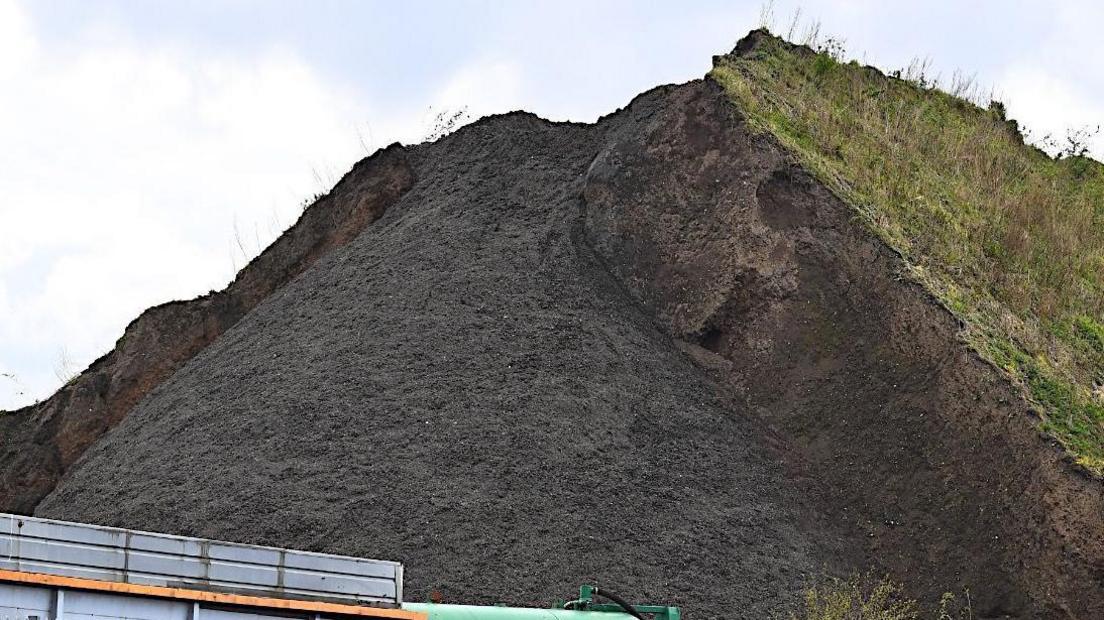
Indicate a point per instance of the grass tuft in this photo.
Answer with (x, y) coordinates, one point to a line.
(865, 598)
(1008, 237)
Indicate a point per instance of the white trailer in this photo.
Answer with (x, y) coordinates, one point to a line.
(54, 570)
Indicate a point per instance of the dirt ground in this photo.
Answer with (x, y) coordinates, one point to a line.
(649, 353)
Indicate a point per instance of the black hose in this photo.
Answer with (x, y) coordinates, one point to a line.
(629, 609)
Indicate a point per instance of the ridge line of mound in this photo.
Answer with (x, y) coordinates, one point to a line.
(40, 442)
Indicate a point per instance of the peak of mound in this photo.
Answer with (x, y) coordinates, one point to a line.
(657, 351)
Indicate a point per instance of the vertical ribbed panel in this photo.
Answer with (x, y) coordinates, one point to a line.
(110, 554)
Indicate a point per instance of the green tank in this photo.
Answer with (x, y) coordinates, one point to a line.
(583, 608)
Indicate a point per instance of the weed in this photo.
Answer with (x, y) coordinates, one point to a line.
(447, 121)
(64, 368)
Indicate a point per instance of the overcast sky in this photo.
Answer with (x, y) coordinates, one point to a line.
(147, 149)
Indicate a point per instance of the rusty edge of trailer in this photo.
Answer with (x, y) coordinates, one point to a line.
(201, 596)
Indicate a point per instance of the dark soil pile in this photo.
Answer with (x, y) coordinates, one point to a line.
(466, 389)
(648, 352)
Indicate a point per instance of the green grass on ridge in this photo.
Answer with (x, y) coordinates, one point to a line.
(1009, 238)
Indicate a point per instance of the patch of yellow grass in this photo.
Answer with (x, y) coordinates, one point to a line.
(863, 598)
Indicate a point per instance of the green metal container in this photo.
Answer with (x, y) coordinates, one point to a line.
(437, 611)
(584, 608)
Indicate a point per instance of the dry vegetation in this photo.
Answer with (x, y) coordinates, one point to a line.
(1010, 238)
(864, 598)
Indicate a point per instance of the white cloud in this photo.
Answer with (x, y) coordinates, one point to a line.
(1047, 87)
(484, 87)
(1047, 104)
(124, 173)
(477, 89)
(16, 41)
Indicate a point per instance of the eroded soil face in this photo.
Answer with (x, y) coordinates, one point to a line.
(922, 451)
(648, 352)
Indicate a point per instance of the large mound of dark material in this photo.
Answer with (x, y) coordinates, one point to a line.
(466, 389)
(648, 352)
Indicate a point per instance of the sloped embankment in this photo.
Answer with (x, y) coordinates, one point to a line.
(651, 352)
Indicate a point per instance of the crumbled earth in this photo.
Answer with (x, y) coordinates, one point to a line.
(649, 352)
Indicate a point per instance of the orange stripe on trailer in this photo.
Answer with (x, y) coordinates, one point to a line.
(200, 596)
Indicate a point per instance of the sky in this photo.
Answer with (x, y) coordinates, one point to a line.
(148, 150)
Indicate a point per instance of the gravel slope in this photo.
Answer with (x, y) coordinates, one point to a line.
(466, 389)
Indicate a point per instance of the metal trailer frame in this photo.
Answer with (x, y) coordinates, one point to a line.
(37, 596)
(48, 566)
